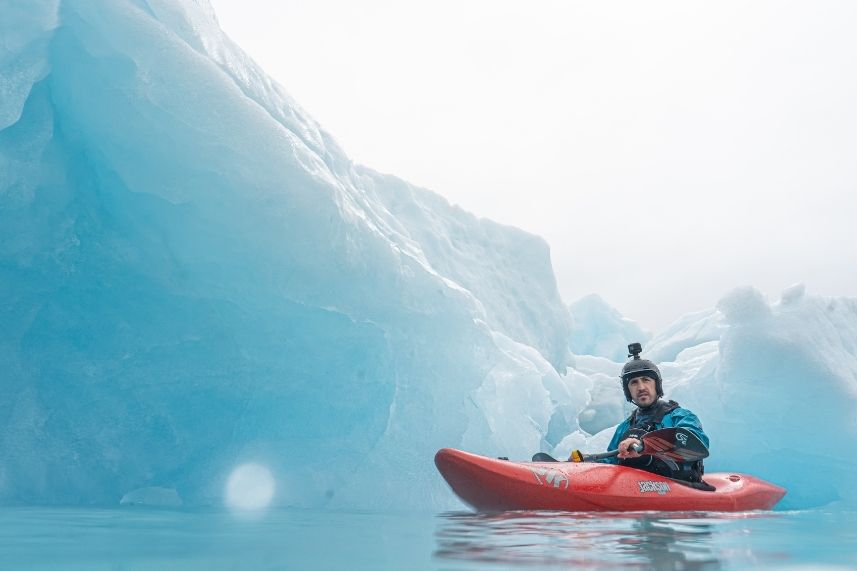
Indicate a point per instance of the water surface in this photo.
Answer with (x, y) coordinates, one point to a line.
(135, 538)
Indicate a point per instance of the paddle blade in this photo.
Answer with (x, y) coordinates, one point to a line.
(543, 457)
(677, 444)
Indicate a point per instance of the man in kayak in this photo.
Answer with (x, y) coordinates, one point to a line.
(642, 384)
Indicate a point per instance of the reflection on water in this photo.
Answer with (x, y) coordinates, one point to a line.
(587, 541)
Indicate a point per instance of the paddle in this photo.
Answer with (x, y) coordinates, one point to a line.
(577, 456)
(677, 444)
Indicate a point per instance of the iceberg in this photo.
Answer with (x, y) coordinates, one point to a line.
(783, 393)
(776, 389)
(195, 276)
(196, 279)
(600, 330)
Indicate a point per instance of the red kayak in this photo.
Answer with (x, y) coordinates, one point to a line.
(498, 485)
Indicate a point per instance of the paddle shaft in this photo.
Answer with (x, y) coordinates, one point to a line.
(638, 448)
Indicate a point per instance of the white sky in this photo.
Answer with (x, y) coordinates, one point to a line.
(667, 151)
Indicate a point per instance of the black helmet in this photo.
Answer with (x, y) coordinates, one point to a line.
(637, 367)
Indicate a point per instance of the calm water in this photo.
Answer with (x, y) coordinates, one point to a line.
(132, 538)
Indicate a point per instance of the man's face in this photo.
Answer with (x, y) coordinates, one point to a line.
(643, 391)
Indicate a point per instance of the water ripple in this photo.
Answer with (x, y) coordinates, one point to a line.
(644, 540)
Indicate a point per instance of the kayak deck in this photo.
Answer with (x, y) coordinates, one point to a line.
(487, 484)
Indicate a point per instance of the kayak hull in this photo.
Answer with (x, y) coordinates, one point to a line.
(487, 484)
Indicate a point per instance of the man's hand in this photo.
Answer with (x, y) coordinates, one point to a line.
(625, 450)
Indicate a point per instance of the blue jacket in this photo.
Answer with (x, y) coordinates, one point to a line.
(676, 418)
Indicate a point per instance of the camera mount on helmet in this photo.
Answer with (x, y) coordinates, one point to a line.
(634, 350)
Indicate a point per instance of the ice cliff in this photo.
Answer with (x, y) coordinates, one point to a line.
(194, 276)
